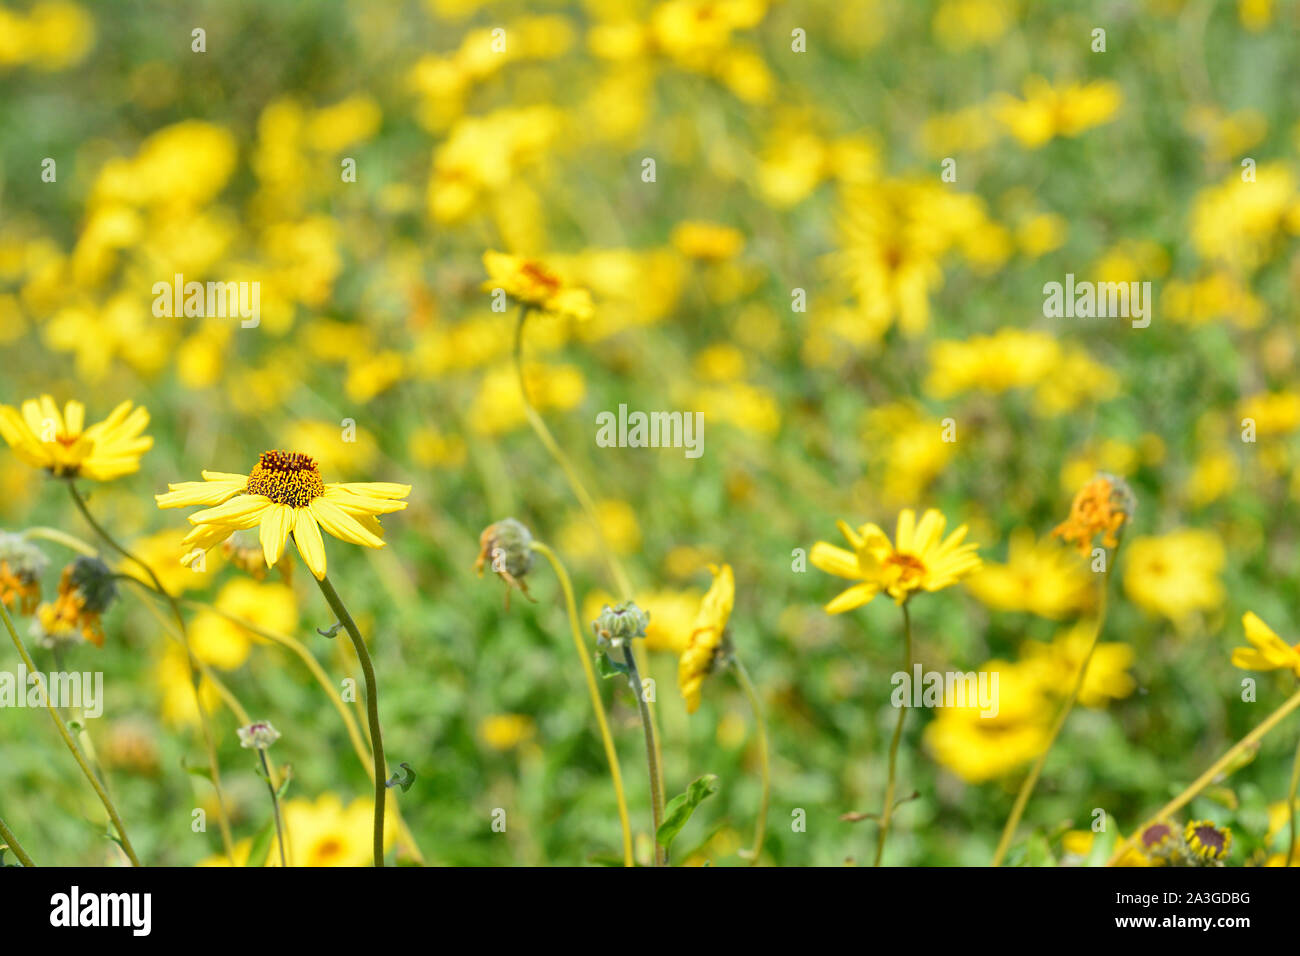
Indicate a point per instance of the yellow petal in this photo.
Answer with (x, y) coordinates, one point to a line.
(854, 597)
(306, 533)
(833, 560)
(342, 525)
(277, 522)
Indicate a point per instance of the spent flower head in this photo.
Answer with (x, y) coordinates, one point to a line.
(506, 547)
(86, 590)
(21, 564)
(1101, 508)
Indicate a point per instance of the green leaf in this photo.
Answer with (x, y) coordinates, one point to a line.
(203, 772)
(680, 808)
(261, 848)
(284, 784)
(606, 667)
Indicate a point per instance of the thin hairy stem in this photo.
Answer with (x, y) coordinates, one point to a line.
(887, 811)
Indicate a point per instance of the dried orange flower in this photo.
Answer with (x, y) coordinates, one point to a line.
(1100, 508)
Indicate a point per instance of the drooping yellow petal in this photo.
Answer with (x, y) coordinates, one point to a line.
(306, 533)
(277, 522)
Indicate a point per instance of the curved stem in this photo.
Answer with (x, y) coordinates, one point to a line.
(372, 710)
(205, 723)
(100, 792)
(275, 805)
(12, 843)
(651, 752)
(1216, 768)
(593, 689)
(621, 580)
(1027, 787)
(887, 812)
(760, 728)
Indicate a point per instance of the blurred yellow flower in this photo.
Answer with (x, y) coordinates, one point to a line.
(222, 643)
(978, 747)
(1040, 577)
(533, 284)
(325, 833)
(671, 613)
(1176, 574)
(63, 446)
(920, 559)
(506, 731)
(1057, 665)
(1048, 111)
(707, 240)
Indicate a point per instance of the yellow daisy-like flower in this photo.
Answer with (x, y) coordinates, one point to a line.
(920, 559)
(284, 495)
(532, 283)
(1269, 653)
(1208, 841)
(66, 448)
(701, 654)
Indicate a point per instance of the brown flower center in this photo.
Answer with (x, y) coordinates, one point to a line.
(538, 274)
(910, 570)
(287, 478)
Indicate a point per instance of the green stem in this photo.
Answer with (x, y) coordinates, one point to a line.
(760, 728)
(593, 689)
(887, 812)
(71, 744)
(209, 741)
(1209, 776)
(275, 805)
(651, 751)
(1027, 787)
(1290, 804)
(12, 843)
(372, 710)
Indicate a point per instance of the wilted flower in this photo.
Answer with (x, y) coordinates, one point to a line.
(258, 735)
(21, 564)
(63, 446)
(86, 589)
(1100, 508)
(706, 642)
(506, 547)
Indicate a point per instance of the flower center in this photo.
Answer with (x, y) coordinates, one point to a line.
(287, 478)
(909, 568)
(539, 275)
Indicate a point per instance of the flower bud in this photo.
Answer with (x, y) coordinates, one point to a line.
(506, 547)
(258, 735)
(621, 622)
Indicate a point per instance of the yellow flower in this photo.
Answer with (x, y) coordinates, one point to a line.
(1175, 574)
(63, 446)
(533, 284)
(506, 731)
(707, 240)
(672, 614)
(1270, 651)
(1208, 841)
(698, 660)
(284, 495)
(325, 833)
(221, 642)
(1048, 111)
(1057, 665)
(1041, 577)
(920, 559)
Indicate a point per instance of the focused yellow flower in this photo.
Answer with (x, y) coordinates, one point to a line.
(920, 559)
(1270, 652)
(533, 284)
(701, 654)
(63, 446)
(1208, 841)
(284, 495)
